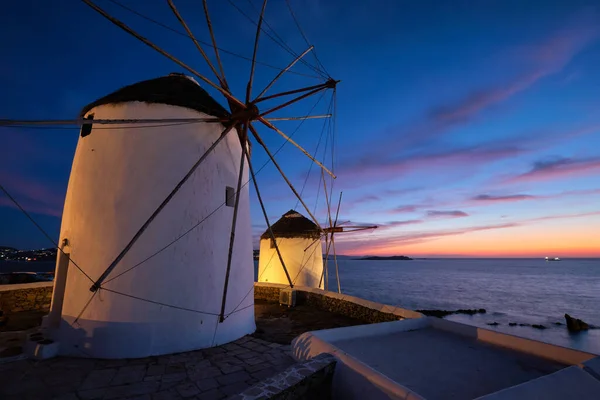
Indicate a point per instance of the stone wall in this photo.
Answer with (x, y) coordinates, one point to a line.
(355, 307)
(267, 291)
(25, 297)
(305, 380)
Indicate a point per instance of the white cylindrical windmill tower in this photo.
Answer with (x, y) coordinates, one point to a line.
(299, 242)
(120, 175)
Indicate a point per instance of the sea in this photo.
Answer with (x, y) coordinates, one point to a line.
(522, 291)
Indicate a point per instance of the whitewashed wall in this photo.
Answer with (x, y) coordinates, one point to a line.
(303, 258)
(118, 178)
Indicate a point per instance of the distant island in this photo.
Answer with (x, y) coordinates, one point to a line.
(377, 258)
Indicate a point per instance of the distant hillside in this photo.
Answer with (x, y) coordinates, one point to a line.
(377, 258)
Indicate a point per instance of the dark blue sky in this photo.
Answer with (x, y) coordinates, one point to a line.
(463, 127)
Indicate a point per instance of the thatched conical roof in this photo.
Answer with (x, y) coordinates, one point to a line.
(174, 89)
(293, 225)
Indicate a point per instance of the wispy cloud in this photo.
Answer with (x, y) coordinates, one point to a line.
(384, 166)
(505, 198)
(446, 214)
(558, 168)
(395, 224)
(549, 57)
(33, 196)
(375, 244)
(407, 208)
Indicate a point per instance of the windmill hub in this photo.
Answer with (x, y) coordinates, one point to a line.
(248, 114)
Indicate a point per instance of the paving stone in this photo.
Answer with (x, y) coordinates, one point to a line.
(243, 339)
(187, 389)
(212, 351)
(134, 389)
(98, 378)
(129, 374)
(207, 384)
(274, 345)
(254, 361)
(236, 388)
(264, 374)
(142, 397)
(237, 352)
(258, 367)
(91, 394)
(261, 341)
(111, 363)
(141, 361)
(170, 394)
(205, 373)
(228, 369)
(232, 346)
(233, 378)
(175, 377)
(250, 345)
(57, 391)
(197, 365)
(214, 394)
(175, 367)
(247, 355)
(65, 396)
(155, 370)
(58, 378)
(153, 378)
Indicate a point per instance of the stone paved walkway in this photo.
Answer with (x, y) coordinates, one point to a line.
(212, 373)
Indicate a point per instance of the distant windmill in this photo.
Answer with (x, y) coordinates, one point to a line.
(157, 208)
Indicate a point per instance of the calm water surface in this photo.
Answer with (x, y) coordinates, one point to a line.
(511, 290)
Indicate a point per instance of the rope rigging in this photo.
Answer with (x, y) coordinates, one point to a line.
(178, 32)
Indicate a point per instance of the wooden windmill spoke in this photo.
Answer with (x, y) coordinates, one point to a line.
(108, 270)
(290, 65)
(329, 84)
(327, 231)
(289, 139)
(287, 103)
(264, 146)
(214, 44)
(299, 118)
(264, 211)
(332, 226)
(252, 67)
(191, 35)
(127, 29)
(337, 271)
(243, 142)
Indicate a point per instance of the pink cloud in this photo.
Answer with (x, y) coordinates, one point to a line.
(33, 196)
(381, 168)
(549, 57)
(558, 169)
(446, 214)
(374, 244)
(506, 198)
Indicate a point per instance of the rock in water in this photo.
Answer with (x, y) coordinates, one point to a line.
(575, 325)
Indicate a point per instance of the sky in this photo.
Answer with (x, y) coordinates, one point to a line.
(461, 129)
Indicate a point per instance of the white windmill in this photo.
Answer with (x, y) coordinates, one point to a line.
(156, 251)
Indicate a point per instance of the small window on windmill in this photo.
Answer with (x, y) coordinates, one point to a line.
(86, 129)
(272, 243)
(229, 196)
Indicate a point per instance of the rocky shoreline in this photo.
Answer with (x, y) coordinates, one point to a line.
(574, 325)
